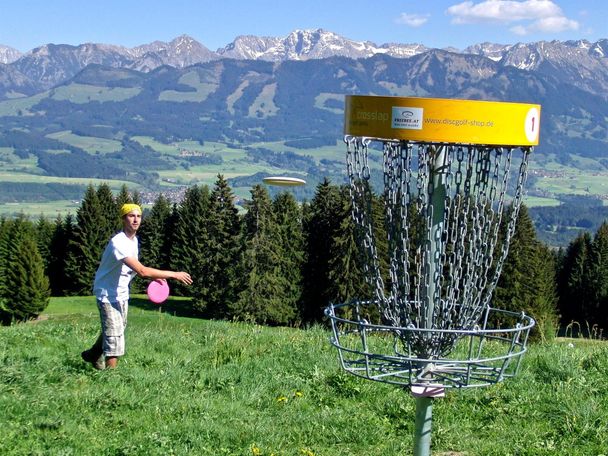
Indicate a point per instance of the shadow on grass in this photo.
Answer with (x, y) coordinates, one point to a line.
(179, 307)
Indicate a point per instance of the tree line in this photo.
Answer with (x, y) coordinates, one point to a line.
(279, 262)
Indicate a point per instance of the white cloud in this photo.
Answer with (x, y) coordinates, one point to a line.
(413, 20)
(519, 30)
(553, 24)
(531, 15)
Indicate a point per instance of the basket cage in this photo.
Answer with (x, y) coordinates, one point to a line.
(449, 212)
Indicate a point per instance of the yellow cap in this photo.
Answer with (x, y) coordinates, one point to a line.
(126, 208)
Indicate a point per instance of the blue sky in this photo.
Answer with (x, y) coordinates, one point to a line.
(26, 24)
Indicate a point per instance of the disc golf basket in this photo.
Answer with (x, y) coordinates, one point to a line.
(453, 177)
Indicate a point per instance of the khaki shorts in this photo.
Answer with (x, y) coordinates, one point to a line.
(113, 323)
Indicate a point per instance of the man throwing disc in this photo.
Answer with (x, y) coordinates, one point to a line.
(119, 264)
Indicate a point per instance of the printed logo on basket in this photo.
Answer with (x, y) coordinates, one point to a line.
(407, 118)
(372, 115)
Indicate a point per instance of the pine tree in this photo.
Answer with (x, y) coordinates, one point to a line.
(109, 210)
(58, 251)
(24, 289)
(5, 228)
(288, 217)
(597, 277)
(26, 280)
(215, 279)
(260, 299)
(544, 305)
(91, 234)
(44, 234)
(513, 288)
(381, 240)
(126, 197)
(136, 198)
(170, 228)
(190, 238)
(601, 246)
(346, 274)
(154, 234)
(527, 280)
(572, 284)
(123, 196)
(320, 226)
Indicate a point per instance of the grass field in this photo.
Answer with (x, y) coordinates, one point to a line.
(20, 106)
(88, 143)
(590, 179)
(190, 386)
(52, 209)
(193, 80)
(84, 93)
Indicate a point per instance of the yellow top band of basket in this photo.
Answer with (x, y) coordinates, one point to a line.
(442, 120)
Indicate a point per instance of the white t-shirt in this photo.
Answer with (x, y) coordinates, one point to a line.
(113, 276)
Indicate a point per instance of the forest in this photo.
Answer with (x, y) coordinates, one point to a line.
(278, 263)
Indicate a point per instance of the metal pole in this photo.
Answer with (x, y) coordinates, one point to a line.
(437, 178)
(424, 405)
(424, 421)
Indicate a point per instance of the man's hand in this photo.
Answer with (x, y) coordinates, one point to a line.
(183, 277)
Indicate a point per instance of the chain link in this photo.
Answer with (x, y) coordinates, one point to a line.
(444, 211)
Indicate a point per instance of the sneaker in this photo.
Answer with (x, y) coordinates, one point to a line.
(98, 361)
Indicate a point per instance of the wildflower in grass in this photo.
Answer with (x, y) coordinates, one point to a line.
(306, 452)
(298, 394)
(255, 451)
(281, 399)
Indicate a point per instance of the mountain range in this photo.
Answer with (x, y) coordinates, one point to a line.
(579, 63)
(92, 111)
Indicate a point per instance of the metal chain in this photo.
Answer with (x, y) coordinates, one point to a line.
(444, 208)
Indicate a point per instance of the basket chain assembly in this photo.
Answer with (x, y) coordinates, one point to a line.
(448, 226)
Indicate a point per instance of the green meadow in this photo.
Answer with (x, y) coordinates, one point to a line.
(588, 179)
(192, 386)
(90, 144)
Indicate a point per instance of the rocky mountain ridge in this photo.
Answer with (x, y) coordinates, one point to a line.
(580, 63)
(8, 54)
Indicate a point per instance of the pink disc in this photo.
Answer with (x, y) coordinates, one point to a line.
(158, 291)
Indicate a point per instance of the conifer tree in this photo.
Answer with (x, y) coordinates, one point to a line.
(109, 210)
(572, 283)
(24, 287)
(171, 224)
(320, 226)
(5, 313)
(126, 197)
(215, 279)
(190, 234)
(601, 248)
(91, 234)
(154, 234)
(260, 300)
(26, 280)
(597, 277)
(380, 228)
(44, 234)
(136, 198)
(58, 250)
(123, 196)
(527, 280)
(346, 274)
(544, 304)
(288, 217)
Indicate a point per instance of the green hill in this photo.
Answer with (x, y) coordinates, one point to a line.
(190, 386)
